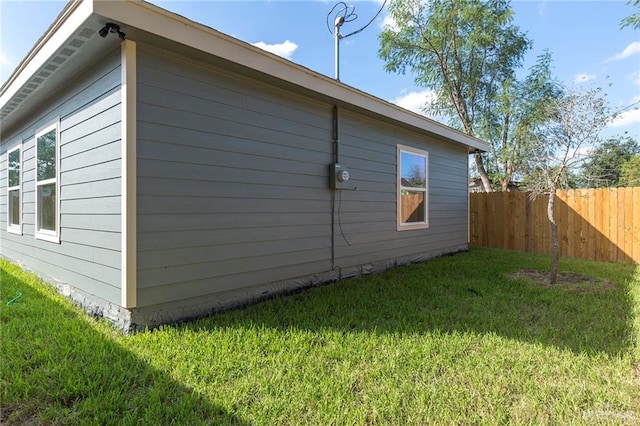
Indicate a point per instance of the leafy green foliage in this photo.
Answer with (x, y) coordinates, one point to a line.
(632, 20)
(14, 168)
(462, 50)
(47, 156)
(604, 167)
(630, 172)
(453, 340)
(510, 125)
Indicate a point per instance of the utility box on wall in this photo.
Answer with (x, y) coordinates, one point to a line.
(338, 176)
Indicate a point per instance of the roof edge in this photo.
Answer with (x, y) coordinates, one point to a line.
(43, 48)
(164, 23)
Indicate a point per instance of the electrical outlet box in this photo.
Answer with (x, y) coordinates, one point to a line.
(338, 176)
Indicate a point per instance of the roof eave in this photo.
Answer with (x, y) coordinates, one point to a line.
(71, 17)
(162, 23)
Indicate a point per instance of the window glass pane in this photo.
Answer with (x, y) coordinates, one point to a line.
(14, 207)
(14, 168)
(412, 206)
(47, 155)
(414, 170)
(47, 207)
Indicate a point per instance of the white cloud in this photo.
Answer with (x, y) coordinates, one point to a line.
(389, 22)
(415, 101)
(630, 50)
(542, 8)
(583, 77)
(284, 49)
(627, 118)
(634, 77)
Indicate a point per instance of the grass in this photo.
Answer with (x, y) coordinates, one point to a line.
(454, 340)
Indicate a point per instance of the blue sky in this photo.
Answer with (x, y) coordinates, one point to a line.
(585, 38)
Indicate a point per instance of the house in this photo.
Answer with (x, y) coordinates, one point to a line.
(156, 170)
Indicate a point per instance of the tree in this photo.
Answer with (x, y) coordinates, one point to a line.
(578, 118)
(632, 20)
(604, 166)
(46, 164)
(508, 125)
(630, 172)
(417, 176)
(463, 50)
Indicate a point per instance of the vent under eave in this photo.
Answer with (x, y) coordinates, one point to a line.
(39, 79)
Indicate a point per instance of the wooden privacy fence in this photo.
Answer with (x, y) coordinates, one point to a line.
(412, 207)
(598, 224)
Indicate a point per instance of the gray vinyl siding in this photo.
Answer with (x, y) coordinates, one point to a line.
(88, 256)
(232, 181)
(368, 214)
(233, 184)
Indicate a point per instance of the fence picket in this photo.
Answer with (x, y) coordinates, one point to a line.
(598, 224)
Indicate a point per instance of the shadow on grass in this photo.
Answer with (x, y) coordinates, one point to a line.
(60, 369)
(467, 292)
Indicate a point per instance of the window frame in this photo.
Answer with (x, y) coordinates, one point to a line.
(46, 234)
(406, 226)
(12, 228)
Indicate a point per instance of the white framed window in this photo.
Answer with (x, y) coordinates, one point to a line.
(14, 190)
(412, 188)
(47, 184)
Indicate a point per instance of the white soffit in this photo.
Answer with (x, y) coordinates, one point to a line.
(49, 53)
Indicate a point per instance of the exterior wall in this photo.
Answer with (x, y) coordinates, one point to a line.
(233, 198)
(232, 181)
(86, 263)
(368, 214)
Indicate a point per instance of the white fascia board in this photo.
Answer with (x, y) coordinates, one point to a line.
(163, 23)
(74, 14)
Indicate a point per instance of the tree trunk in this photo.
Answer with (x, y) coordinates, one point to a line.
(507, 177)
(486, 183)
(553, 275)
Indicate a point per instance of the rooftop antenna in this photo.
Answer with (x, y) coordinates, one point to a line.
(343, 15)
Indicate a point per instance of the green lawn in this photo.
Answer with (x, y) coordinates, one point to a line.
(453, 340)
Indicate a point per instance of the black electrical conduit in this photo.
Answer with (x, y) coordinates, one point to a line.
(336, 160)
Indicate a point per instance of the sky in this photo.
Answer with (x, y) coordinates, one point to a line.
(589, 49)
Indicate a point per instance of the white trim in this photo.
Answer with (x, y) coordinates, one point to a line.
(45, 234)
(74, 14)
(15, 229)
(128, 195)
(400, 226)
